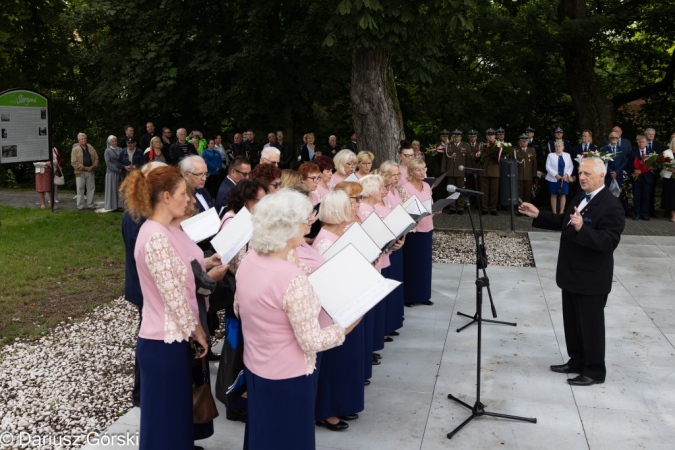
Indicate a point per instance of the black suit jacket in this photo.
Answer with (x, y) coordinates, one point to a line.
(353, 146)
(207, 197)
(586, 258)
(287, 155)
(657, 147)
(223, 190)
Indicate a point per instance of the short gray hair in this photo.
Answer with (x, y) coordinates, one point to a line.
(598, 165)
(371, 184)
(187, 164)
(277, 218)
(269, 151)
(388, 164)
(647, 130)
(335, 208)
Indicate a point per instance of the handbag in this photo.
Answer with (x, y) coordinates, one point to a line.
(203, 406)
(59, 179)
(230, 382)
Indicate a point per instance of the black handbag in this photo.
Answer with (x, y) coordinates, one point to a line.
(230, 382)
(203, 406)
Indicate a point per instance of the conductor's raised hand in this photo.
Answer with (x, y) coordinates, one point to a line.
(529, 210)
(577, 219)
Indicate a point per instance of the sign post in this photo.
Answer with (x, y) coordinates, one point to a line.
(25, 122)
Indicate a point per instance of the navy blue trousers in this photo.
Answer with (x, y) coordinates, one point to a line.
(417, 263)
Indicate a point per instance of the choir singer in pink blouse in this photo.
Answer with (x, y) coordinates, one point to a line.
(279, 312)
(170, 315)
(417, 250)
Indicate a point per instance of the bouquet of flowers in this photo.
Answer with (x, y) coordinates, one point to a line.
(604, 156)
(665, 161)
(491, 152)
(640, 168)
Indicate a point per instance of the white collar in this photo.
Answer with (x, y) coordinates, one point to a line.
(595, 192)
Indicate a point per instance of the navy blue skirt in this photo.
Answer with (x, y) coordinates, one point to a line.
(553, 187)
(340, 386)
(380, 318)
(417, 263)
(166, 396)
(280, 413)
(368, 322)
(394, 301)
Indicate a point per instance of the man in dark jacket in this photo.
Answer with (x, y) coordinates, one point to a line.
(181, 148)
(147, 137)
(591, 230)
(286, 149)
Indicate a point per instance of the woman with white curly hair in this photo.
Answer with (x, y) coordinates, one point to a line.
(279, 312)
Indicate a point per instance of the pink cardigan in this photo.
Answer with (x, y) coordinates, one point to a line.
(279, 313)
(407, 191)
(164, 272)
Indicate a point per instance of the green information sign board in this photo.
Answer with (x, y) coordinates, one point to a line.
(25, 123)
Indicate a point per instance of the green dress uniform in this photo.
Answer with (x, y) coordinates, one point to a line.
(527, 171)
(470, 181)
(456, 154)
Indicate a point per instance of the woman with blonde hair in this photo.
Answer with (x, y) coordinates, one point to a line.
(345, 164)
(417, 251)
(155, 151)
(364, 161)
(290, 178)
(170, 318)
(416, 149)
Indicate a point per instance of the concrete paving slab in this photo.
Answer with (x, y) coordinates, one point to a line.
(628, 429)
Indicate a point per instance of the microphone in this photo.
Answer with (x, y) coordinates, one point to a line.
(452, 189)
(471, 169)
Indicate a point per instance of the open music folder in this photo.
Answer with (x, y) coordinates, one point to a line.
(435, 182)
(439, 205)
(416, 208)
(348, 286)
(235, 234)
(356, 236)
(399, 221)
(379, 232)
(202, 226)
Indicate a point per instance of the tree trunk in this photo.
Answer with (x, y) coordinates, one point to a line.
(592, 107)
(376, 113)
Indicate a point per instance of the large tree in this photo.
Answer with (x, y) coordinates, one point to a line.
(388, 34)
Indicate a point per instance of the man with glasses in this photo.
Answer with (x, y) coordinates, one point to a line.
(166, 140)
(239, 170)
(456, 154)
(405, 155)
(194, 171)
(270, 155)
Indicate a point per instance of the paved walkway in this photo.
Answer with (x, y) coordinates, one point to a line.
(407, 405)
(502, 222)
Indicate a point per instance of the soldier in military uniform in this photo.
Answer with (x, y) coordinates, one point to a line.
(437, 161)
(489, 182)
(550, 146)
(473, 149)
(456, 154)
(500, 134)
(527, 168)
(534, 142)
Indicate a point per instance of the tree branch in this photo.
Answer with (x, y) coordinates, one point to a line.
(665, 84)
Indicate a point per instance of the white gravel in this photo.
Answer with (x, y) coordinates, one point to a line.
(457, 247)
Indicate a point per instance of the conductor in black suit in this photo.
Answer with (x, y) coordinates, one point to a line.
(591, 230)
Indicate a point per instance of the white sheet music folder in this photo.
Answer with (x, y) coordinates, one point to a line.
(416, 208)
(352, 177)
(346, 302)
(234, 235)
(356, 236)
(399, 221)
(202, 226)
(379, 232)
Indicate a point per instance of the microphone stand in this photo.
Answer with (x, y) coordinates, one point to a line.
(478, 409)
(481, 263)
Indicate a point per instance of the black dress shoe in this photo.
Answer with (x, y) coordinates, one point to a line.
(461, 213)
(451, 212)
(197, 447)
(582, 380)
(235, 415)
(564, 368)
(366, 383)
(484, 213)
(645, 218)
(376, 362)
(394, 333)
(409, 305)
(428, 303)
(637, 217)
(388, 339)
(337, 427)
(377, 356)
(349, 417)
(493, 213)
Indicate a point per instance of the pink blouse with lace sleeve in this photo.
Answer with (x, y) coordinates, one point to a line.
(169, 273)
(302, 306)
(323, 245)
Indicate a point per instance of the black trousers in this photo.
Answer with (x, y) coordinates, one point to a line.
(136, 393)
(584, 323)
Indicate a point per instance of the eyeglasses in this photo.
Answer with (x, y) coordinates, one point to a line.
(276, 163)
(365, 163)
(243, 174)
(200, 175)
(358, 198)
(276, 185)
(424, 169)
(314, 179)
(408, 155)
(350, 164)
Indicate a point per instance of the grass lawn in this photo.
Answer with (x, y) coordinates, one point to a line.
(54, 266)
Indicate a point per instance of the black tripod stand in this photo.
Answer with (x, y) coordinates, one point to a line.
(481, 263)
(478, 409)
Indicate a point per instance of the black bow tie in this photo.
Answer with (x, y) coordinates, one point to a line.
(586, 196)
(199, 191)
